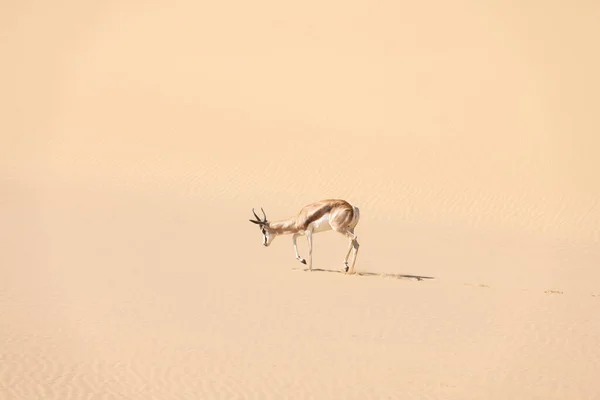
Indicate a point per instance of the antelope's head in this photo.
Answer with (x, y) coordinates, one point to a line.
(265, 229)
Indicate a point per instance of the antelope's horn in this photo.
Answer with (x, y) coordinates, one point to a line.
(257, 217)
(264, 215)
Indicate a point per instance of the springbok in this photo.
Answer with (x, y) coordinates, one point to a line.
(324, 215)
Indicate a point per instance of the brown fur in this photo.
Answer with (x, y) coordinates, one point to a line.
(344, 213)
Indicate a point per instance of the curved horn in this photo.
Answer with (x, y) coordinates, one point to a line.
(264, 215)
(254, 212)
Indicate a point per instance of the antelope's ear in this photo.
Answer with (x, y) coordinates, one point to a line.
(254, 222)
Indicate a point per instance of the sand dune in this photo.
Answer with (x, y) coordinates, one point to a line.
(135, 140)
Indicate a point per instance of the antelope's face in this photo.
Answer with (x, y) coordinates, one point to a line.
(268, 235)
(263, 224)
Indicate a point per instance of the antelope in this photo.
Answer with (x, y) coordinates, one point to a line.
(321, 216)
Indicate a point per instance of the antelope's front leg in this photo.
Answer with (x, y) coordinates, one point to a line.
(294, 237)
(310, 248)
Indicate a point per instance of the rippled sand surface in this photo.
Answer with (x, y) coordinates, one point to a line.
(135, 139)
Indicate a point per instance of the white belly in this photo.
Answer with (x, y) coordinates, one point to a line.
(322, 224)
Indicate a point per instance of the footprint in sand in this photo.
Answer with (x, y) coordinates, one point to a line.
(480, 285)
(553, 292)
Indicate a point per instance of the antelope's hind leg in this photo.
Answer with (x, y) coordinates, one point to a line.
(355, 245)
(352, 245)
(342, 222)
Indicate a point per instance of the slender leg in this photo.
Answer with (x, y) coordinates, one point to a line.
(356, 246)
(350, 247)
(310, 248)
(352, 244)
(294, 237)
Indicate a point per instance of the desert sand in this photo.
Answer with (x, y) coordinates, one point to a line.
(135, 139)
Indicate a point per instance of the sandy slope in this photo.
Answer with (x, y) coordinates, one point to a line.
(136, 139)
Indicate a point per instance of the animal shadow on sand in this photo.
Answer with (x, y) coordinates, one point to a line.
(378, 274)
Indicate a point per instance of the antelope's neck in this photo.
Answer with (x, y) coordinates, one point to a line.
(284, 226)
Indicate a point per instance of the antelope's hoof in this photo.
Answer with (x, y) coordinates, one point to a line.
(303, 261)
